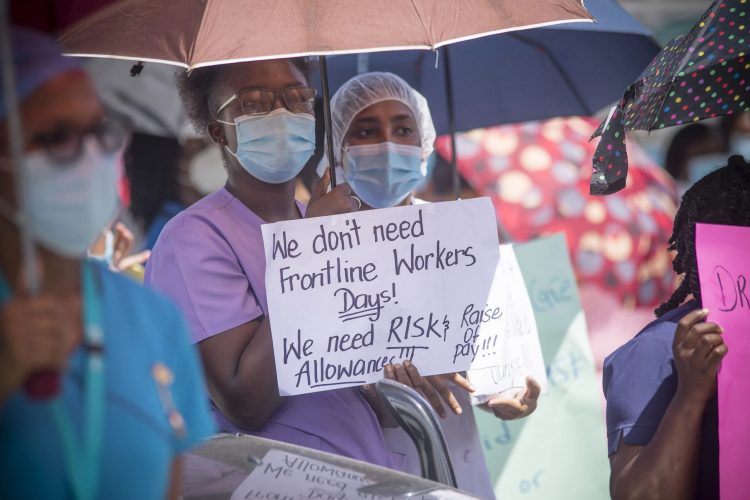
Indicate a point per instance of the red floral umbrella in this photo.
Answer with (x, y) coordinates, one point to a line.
(538, 173)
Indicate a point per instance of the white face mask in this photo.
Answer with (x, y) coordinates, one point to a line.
(206, 170)
(69, 205)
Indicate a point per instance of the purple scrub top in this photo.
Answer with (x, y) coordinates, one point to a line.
(209, 259)
(640, 381)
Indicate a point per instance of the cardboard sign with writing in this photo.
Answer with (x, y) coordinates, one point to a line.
(724, 271)
(348, 294)
(560, 451)
(519, 355)
(287, 476)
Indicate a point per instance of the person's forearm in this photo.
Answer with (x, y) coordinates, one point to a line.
(255, 379)
(667, 467)
(251, 395)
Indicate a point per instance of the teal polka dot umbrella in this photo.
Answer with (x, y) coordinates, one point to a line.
(697, 76)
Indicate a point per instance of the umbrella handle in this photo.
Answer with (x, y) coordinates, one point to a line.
(451, 121)
(42, 384)
(503, 233)
(15, 141)
(327, 118)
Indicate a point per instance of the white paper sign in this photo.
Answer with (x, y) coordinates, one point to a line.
(284, 475)
(349, 294)
(288, 476)
(518, 353)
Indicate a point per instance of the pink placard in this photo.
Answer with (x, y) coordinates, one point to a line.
(724, 267)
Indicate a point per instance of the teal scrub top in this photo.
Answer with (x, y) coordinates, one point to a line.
(143, 334)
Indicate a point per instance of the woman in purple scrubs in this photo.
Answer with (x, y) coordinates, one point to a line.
(210, 258)
(662, 421)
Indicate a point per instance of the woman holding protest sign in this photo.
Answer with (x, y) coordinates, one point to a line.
(210, 258)
(384, 134)
(662, 418)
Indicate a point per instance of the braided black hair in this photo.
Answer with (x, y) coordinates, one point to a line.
(196, 86)
(721, 197)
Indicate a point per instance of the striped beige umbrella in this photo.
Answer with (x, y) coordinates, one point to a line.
(195, 33)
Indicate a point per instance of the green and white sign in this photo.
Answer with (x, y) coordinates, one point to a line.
(559, 452)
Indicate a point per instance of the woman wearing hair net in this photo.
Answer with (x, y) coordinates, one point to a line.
(379, 121)
(383, 134)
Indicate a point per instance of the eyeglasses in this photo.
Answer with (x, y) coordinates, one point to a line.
(254, 101)
(65, 144)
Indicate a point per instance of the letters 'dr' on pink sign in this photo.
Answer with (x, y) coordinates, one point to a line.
(724, 269)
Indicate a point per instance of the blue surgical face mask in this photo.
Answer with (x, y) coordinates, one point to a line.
(383, 175)
(70, 205)
(275, 147)
(429, 169)
(700, 166)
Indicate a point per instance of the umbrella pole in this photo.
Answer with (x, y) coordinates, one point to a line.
(15, 141)
(451, 121)
(503, 234)
(327, 118)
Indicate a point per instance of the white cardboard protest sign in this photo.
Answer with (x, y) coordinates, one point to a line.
(348, 294)
(518, 353)
(287, 475)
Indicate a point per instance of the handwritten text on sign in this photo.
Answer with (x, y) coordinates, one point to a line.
(287, 476)
(518, 355)
(284, 475)
(349, 294)
(724, 270)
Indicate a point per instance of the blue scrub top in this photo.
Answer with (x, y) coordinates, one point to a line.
(640, 380)
(141, 329)
(167, 211)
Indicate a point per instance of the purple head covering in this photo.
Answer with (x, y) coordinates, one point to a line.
(36, 59)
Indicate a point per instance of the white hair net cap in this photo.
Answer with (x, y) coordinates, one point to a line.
(363, 91)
